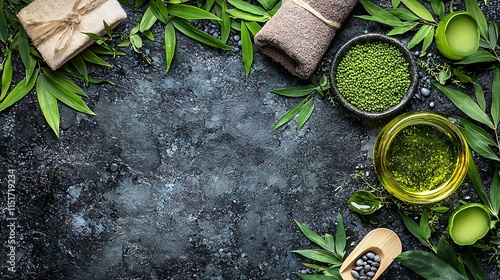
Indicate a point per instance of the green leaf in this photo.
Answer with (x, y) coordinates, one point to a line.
(472, 264)
(246, 48)
(170, 43)
(420, 35)
(190, 12)
(253, 27)
(314, 277)
(199, 35)
(473, 175)
(443, 76)
(149, 34)
(477, 144)
(66, 96)
(91, 57)
(438, 8)
(341, 237)
(63, 81)
(81, 67)
(147, 21)
(402, 29)
(48, 104)
(380, 15)
(428, 40)
(305, 114)
(413, 227)
(363, 202)
(19, 91)
(139, 3)
(24, 48)
(425, 229)
(446, 253)
(463, 77)
(428, 265)
(479, 93)
(493, 33)
(295, 91)
(320, 256)
(247, 7)
(403, 14)
(480, 135)
(290, 114)
(159, 10)
(440, 209)
(395, 3)
(330, 242)
(472, 7)
(465, 104)
(418, 9)
(495, 193)
(314, 237)
(479, 56)
(225, 24)
(247, 16)
(6, 74)
(4, 28)
(136, 42)
(495, 98)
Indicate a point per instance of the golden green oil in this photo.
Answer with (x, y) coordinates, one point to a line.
(421, 158)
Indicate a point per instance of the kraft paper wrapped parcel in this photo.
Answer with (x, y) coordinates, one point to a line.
(55, 26)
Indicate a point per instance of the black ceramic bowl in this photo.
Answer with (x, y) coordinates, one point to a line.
(367, 38)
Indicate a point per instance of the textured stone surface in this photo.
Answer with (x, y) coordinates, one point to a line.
(178, 176)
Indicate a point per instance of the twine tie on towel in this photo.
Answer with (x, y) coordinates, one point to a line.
(46, 30)
(310, 9)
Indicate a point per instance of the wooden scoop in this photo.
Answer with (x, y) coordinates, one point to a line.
(383, 242)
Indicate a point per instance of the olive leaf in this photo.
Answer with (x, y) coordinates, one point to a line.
(472, 7)
(479, 93)
(418, 9)
(428, 265)
(473, 174)
(363, 202)
(479, 56)
(465, 104)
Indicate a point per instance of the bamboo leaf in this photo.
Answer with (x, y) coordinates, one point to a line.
(428, 40)
(320, 256)
(395, 3)
(479, 147)
(472, 264)
(170, 43)
(341, 237)
(305, 114)
(4, 30)
(479, 56)
(91, 57)
(420, 35)
(6, 74)
(495, 193)
(253, 27)
(314, 237)
(225, 24)
(412, 226)
(48, 104)
(428, 265)
(149, 34)
(418, 9)
(438, 8)
(19, 91)
(199, 35)
(246, 48)
(472, 7)
(147, 21)
(403, 14)
(314, 277)
(67, 97)
(80, 67)
(63, 81)
(495, 98)
(479, 133)
(190, 12)
(402, 29)
(24, 48)
(329, 242)
(159, 10)
(380, 15)
(247, 7)
(493, 33)
(475, 178)
(247, 16)
(295, 91)
(465, 104)
(290, 114)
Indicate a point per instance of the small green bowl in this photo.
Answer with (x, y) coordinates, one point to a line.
(457, 35)
(469, 223)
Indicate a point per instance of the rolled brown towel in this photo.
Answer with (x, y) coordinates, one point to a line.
(298, 39)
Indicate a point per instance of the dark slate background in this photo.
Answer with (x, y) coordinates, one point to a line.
(178, 176)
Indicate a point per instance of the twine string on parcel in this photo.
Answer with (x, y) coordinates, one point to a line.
(66, 25)
(310, 9)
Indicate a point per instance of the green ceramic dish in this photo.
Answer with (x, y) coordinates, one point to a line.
(457, 35)
(469, 223)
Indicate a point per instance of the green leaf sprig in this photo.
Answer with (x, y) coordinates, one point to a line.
(329, 257)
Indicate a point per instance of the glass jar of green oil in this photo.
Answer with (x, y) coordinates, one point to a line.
(420, 157)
